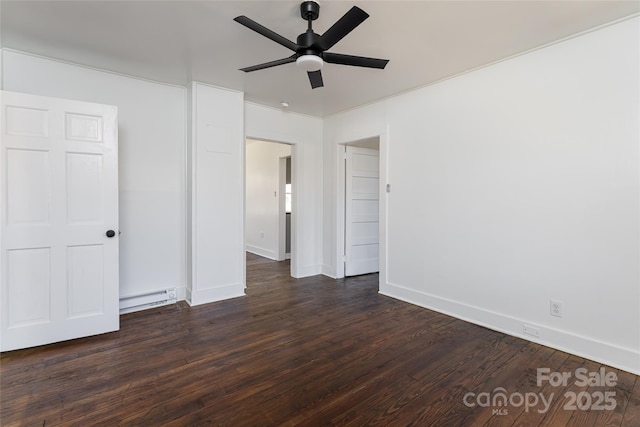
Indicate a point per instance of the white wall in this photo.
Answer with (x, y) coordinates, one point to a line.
(304, 133)
(516, 184)
(362, 124)
(151, 161)
(216, 188)
(262, 196)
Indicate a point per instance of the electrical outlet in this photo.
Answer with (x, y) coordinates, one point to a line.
(530, 330)
(555, 308)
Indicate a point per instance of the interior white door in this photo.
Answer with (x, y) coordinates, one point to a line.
(59, 194)
(361, 211)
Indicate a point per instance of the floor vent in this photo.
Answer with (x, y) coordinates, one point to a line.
(147, 300)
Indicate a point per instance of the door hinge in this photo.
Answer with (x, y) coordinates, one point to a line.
(344, 258)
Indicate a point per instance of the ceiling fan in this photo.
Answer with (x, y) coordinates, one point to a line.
(310, 49)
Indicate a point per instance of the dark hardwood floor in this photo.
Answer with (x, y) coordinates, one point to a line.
(313, 352)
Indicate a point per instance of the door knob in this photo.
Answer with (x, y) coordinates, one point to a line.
(110, 233)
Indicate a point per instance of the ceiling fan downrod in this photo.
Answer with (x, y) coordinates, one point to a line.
(308, 41)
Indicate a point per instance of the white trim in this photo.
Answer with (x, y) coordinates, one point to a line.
(307, 271)
(182, 293)
(381, 134)
(328, 271)
(187, 295)
(281, 245)
(220, 88)
(186, 198)
(88, 67)
(265, 253)
(280, 110)
(383, 142)
(295, 155)
(1, 68)
(215, 294)
(610, 354)
(340, 210)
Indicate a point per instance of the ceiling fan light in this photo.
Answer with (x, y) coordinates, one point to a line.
(309, 62)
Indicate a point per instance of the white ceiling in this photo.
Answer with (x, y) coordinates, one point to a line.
(180, 41)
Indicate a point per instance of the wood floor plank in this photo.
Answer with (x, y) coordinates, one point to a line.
(442, 402)
(621, 391)
(292, 352)
(554, 394)
(323, 374)
(514, 379)
(388, 364)
(529, 385)
(632, 410)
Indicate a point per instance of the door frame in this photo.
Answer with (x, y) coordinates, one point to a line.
(294, 199)
(340, 192)
(281, 253)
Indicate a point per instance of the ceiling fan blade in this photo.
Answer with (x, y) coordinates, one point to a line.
(343, 26)
(282, 61)
(315, 77)
(253, 25)
(357, 61)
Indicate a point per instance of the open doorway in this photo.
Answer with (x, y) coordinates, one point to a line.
(359, 196)
(268, 205)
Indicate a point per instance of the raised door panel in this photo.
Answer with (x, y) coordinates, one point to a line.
(28, 187)
(21, 121)
(85, 280)
(29, 293)
(83, 127)
(84, 188)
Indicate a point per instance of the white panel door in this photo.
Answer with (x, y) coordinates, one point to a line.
(59, 194)
(361, 211)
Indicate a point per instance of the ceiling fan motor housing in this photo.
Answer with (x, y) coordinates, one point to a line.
(308, 43)
(309, 10)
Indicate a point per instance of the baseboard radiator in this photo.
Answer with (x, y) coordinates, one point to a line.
(148, 300)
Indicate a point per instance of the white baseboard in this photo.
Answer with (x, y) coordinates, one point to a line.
(182, 293)
(214, 294)
(328, 271)
(307, 271)
(609, 354)
(266, 253)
